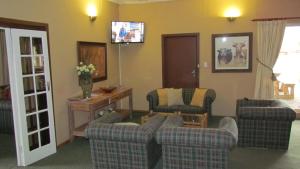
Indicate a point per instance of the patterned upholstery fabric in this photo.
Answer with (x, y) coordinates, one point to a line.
(264, 123)
(124, 147)
(187, 95)
(195, 148)
(6, 117)
(182, 108)
(112, 117)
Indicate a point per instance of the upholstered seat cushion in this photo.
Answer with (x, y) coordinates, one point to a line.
(181, 108)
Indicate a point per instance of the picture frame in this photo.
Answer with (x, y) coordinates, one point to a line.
(232, 52)
(94, 53)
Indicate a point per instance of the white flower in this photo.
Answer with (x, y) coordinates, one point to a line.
(85, 69)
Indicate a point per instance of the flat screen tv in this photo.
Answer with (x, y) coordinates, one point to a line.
(127, 32)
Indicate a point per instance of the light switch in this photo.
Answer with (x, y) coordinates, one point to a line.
(205, 64)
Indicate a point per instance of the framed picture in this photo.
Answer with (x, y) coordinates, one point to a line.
(94, 53)
(232, 52)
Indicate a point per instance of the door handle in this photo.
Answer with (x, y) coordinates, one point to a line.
(194, 73)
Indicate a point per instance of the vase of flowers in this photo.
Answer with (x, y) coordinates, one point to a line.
(85, 73)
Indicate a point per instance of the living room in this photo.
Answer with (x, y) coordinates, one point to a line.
(140, 65)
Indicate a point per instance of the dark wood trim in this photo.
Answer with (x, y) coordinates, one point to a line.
(214, 36)
(21, 24)
(273, 19)
(163, 36)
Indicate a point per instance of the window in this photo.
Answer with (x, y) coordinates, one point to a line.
(287, 66)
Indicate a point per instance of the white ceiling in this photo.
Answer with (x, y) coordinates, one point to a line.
(136, 1)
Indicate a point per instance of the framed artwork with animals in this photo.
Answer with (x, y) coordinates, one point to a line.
(232, 52)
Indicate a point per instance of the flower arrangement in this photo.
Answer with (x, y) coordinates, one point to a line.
(85, 70)
(85, 78)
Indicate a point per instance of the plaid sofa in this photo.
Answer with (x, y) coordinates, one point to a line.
(6, 117)
(196, 148)
(264, 123)
(124, 146)
(187, 94)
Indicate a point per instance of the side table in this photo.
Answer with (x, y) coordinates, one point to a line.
(91, 105)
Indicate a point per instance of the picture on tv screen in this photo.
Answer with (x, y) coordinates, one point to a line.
(127, 32)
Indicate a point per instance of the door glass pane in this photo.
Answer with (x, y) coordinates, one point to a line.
(38, 64)
(28, 85)
(30, 104)
(25, 45)
(42, 101)
(37, 46)
(40, 83)
(33, 141)
(26, 65)
(31, 123)
(45, 137)
(44, 120)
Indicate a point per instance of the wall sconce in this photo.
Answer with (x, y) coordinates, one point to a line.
(92, 12)
(232, 13)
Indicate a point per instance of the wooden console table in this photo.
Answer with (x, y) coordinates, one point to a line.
(97, 101)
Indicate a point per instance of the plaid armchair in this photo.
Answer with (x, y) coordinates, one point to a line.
(196, 148)
(264, 123)
(123, 146)
(187, 94)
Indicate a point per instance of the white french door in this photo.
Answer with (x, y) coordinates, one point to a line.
(31, 95)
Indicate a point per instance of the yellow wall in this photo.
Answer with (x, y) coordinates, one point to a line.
(142, 64)
(68, 23)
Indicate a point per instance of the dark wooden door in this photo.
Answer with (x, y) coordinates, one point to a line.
(180, 53)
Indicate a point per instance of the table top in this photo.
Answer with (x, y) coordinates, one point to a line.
(98, 96)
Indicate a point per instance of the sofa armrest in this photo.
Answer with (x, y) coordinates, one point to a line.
(270, 113)
(125, 133)
(229, 124)
(209, 99)
(113, 132)
(152, 98)
(253, 102)
(196, 137)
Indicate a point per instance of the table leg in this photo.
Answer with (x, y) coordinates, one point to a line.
(130, 105)
(71, 122)
(92, 115)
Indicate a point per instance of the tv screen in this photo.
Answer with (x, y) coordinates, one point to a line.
(127, 32)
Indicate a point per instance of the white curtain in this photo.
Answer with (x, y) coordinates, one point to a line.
(269, 37)
(4, 76)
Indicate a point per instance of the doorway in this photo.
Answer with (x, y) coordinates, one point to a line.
(180, 60)
(30, 87)
(7, 138)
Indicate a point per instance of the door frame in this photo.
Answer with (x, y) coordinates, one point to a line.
(163, 36)
(7, 23)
